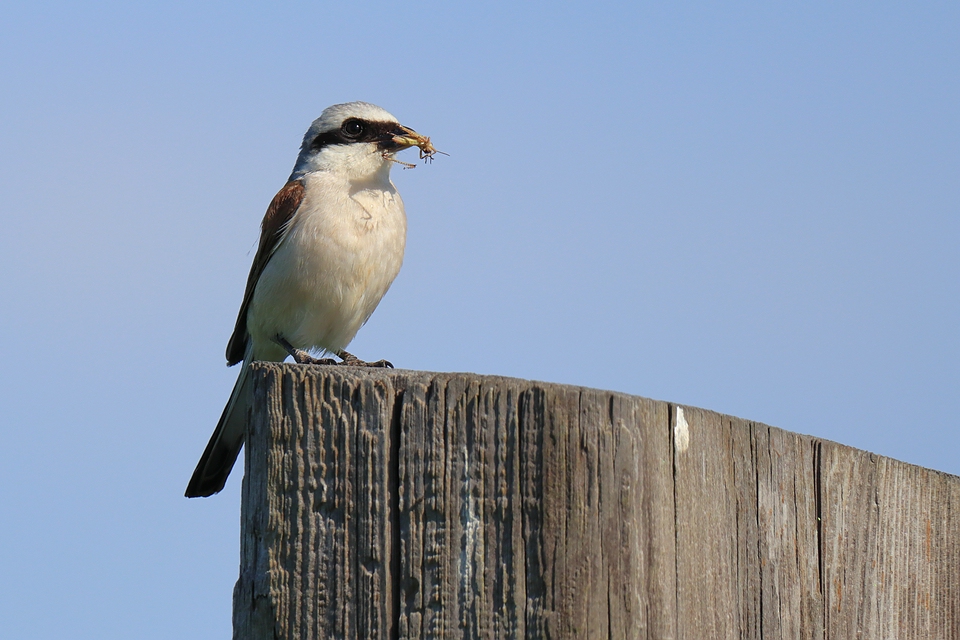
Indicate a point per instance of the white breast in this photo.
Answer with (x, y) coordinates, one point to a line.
(341, 252)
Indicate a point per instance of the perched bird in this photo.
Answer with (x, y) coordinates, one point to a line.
(331, 244)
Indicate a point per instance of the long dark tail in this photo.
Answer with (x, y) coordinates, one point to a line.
(225, 443)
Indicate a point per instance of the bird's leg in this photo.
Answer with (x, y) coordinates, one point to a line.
(350, 360)
(300, 356)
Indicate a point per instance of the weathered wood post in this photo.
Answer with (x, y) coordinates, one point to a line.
(399, 504)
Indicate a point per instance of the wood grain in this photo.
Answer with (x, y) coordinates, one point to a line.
(399, 504)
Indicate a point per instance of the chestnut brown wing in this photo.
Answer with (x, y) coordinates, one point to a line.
(272, 229)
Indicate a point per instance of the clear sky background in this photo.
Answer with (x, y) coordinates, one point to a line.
(750, 208)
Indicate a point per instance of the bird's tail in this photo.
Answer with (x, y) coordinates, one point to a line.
(225, 443)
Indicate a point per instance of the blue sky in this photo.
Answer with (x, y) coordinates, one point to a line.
(751, 209)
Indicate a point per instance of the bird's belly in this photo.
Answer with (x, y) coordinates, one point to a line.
(330, 272)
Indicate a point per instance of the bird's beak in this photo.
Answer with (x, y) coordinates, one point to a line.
(402, 137)
(405, 137)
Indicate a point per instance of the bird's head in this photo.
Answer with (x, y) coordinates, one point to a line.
(355, 138)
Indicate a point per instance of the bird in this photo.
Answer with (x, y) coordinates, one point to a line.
(331, 244)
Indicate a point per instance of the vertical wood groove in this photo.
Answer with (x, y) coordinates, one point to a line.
(410, 505)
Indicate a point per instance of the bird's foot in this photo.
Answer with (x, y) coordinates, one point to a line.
(350, 360)
(300, 356)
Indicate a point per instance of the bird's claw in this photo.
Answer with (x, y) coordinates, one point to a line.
(350, 360)
(302, 357)
(385, 364)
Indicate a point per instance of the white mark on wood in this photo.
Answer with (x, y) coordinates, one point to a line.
(470, 521)
(681, 431)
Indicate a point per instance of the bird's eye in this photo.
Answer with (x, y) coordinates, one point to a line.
(352, 128)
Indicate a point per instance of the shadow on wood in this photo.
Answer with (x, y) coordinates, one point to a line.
(399, 504)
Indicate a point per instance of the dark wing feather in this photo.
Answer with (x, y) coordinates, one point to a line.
(274, 224)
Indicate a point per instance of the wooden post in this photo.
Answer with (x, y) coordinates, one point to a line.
(399, 504)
